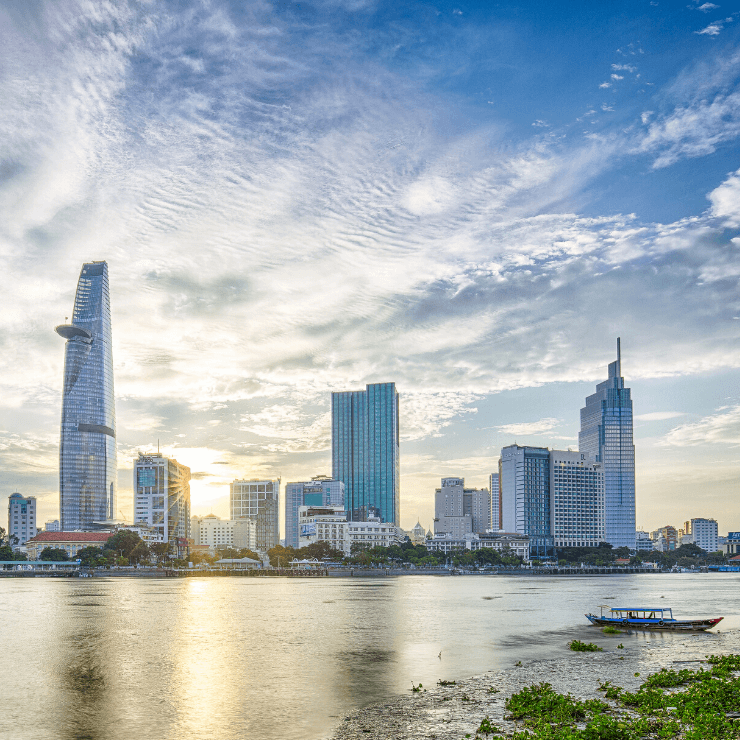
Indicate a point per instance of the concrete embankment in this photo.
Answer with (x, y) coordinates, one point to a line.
(454, 712)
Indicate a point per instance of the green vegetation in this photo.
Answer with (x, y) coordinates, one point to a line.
(446, 683)
(584, 647)
(54, 554)
(685, 704)
(686, 556)
(6, 547)
(609, 630)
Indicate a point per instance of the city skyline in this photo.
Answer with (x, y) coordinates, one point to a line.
(471, 202)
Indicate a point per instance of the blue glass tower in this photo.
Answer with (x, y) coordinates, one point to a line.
(365, 451)
(87, 453)
(606, 436)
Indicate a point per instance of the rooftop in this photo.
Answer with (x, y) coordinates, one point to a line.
(71, 537)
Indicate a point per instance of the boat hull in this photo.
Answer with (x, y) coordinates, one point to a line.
(670, 625)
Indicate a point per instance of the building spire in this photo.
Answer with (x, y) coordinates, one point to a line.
(619, 357)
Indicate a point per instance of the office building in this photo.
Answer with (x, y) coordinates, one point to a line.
(525, 496)
(577, 492)
(731, 545)
(495, 489)
(606, 437)
(365, 451)
(162, 499)
(214, 532)
(52, 526)
(87, 453)
(21, 519)
(702, 533)
(459, 510)
(258, 500)
(323, 523)
(319, 491)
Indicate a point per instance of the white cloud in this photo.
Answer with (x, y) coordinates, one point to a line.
(713, 29)
(530, 428)
(706, 7)
(720, 428)
(624, 67)
(725, 200)
(605, 84)
(617, 77)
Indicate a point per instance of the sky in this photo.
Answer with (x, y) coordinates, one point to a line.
(472, 200)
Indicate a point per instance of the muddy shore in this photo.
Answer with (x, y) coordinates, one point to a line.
(451, 712)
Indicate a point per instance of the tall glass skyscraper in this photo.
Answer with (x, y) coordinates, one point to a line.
(365, 451)
(87, 453)
(606, 436)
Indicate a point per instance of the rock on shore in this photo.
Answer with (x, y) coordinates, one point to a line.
(451, 712)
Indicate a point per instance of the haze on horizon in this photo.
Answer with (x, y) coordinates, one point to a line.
(294, 198)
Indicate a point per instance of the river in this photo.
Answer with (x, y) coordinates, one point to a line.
(282, 658)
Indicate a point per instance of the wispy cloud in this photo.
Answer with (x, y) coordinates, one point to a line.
(722, 427)
(530, 428)
(659, 415)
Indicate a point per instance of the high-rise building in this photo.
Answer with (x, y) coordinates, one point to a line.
(21, 519)
(606, 437)
(162, 498)
(702, 533)
(525, 496)
(258, 500)
(495, 488)
(577, 492)
(319, 491)
(459, 510)
(365, 451)
(87, 453)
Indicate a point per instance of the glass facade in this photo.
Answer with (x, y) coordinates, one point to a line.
(319, 491)
(87, 453)
(365, 451)
(606, 437)
(162, 498)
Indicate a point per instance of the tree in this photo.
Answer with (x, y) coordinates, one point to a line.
(55, 554)
(140, 553)
(161, 550)
(123, 542)
(90, 556)
(280, 556)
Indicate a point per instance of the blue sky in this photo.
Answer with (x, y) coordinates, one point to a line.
(470, 199)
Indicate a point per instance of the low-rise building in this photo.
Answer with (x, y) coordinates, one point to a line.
(212, 531)
(732, 544)
(643, 543)
(52, 526)
(518, 544)
(70, 542)
(665, 538)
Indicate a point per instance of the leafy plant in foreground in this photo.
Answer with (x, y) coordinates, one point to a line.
(584, 647)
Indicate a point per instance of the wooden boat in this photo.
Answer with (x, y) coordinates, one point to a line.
(640, 618)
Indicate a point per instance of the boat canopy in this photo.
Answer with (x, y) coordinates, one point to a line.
(654, 612)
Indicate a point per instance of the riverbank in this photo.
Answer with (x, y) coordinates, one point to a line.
(452, 712)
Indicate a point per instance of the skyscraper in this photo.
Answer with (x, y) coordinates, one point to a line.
(162, 498)
(526, 505)
(87, 453)
(365, 451)
(606, 437)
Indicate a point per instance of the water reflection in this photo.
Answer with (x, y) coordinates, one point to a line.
(281, 659)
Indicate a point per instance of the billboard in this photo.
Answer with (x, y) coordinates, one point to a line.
(308, 530)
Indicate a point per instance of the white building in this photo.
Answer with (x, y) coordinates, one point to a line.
(459, 510)
(329, 524)
(21, 519)
(258, 500)
(494, 486)
(52, 526)
(162, 499)
(577, 499)
(643, 543)
(319, 491)
(702, 533)
(513, 542)
(212, 531)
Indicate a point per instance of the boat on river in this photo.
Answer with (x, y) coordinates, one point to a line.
(641, 618)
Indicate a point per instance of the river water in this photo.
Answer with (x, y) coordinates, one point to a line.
(281, 658)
